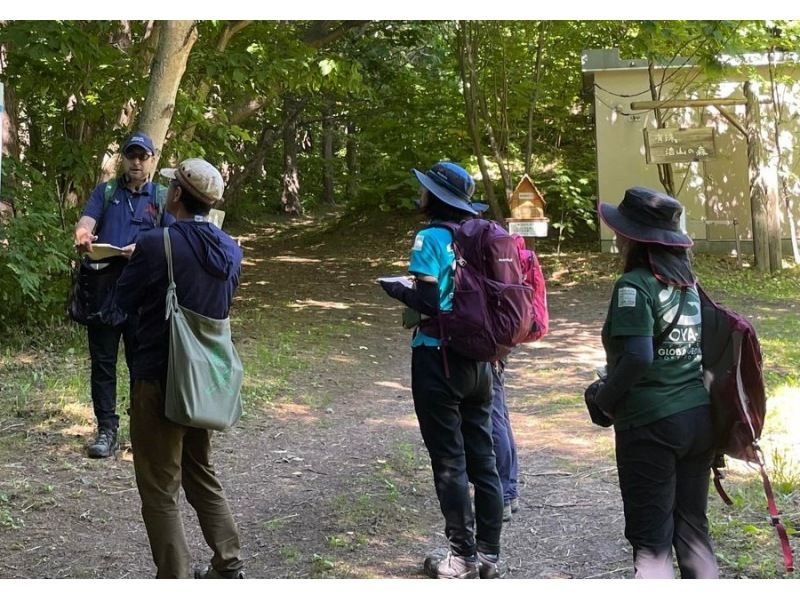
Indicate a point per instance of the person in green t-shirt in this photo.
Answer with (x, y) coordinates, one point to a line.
(653, 393)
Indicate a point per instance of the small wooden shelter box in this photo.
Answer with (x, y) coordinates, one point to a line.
(527, 210)
(527, 201)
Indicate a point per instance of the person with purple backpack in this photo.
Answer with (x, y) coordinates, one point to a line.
(653, 393)
(453, 394)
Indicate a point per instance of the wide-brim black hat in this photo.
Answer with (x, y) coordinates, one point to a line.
(647, 216)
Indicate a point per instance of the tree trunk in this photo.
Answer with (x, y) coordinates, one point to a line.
(256, 162)
(327, 152)
(758, 188)
(479, 100)
(782, 185)
(351, 159)
(464, 63)
(144, 53)
(290, 196)
(537, 75)
(664, 170)
(175, 42)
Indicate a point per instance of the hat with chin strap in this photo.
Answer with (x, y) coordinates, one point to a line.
(453, 185)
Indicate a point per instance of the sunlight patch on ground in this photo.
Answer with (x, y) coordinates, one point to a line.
(390, 384)
(407, 422)
(342, 359)
(251, 261)
(77, 430)
(780, 441)
(306, 303)
(294, 411)
(293, 259)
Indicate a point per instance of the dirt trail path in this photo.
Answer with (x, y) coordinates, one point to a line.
(330, 478)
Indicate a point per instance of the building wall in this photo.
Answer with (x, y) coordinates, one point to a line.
(712, 191)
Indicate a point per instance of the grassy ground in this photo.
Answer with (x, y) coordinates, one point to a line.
(44, 389)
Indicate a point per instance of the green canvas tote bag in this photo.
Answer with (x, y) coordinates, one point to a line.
(204, 375)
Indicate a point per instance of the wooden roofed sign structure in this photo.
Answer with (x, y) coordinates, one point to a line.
(764, 207)
(527, 210)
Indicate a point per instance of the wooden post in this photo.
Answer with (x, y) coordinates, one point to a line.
(758, 191)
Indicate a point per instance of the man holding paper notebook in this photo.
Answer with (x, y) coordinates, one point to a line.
(115, 214)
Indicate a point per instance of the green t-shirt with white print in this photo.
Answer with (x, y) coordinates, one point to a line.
(641, 305)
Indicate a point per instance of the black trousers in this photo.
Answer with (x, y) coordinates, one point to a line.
(103, 351)
(663, 476)
(454, 417)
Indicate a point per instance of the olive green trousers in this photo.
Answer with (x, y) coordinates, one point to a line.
(167, 456)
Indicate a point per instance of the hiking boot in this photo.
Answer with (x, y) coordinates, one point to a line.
(514, 505)
(211, 573)
(104, 445)
(446, 565)
(507, 512)
(488, 565)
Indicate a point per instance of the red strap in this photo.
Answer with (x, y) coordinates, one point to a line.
(788, 559)
(718, 477)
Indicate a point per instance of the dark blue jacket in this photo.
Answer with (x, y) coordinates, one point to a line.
(206, 264)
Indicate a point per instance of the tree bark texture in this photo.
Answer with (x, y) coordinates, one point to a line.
(351, 160)
(175, 42)
(758, 188)
(327, 153)
(471, 113)
(537, 76)
(290, 195)
(664, 170)
(785, 196)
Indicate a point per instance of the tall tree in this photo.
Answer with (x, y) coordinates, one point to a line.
(175, 42)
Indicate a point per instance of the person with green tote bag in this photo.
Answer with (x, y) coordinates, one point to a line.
(204, 274)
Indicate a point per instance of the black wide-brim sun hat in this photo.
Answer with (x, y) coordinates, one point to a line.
(647, 216)
(449, 196)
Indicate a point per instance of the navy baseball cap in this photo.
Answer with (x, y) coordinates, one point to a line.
(452, 184)
(141, 140)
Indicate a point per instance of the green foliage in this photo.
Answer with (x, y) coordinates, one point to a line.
(34, 258)
(391, 89)
(571, 204)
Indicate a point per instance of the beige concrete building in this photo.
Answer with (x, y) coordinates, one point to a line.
(714, 189)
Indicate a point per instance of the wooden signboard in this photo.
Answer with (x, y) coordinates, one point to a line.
(665, 146)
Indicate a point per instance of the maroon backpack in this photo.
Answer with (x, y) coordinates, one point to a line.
(491, 304)
(732, 367)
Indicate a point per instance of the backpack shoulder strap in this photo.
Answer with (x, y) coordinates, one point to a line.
(161, 200)
(108, 192)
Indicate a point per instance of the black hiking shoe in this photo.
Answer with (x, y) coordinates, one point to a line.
(488, 565)
(211, 573)
(104, 445)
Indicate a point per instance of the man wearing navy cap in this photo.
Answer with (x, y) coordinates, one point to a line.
(116, 213)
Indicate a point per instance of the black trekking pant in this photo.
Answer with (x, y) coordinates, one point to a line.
(663, 476)
(103, 351)
(454, 417)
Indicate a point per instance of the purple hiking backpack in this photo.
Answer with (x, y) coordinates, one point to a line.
(492, 306)
(732, 367)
